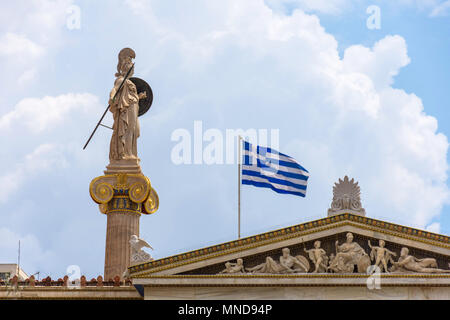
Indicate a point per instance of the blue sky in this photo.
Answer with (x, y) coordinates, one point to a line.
(347, 100)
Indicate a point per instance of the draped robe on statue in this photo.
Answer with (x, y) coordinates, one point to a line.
(348, 255)
(125, 110)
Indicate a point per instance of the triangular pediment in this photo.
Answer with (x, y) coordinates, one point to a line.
(255, 250)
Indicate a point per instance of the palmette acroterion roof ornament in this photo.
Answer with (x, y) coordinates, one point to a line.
(346, 198)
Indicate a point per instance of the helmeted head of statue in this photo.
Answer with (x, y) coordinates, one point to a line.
(126, 55)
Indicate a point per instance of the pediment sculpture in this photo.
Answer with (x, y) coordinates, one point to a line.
(319, 257)
(350, 257)
(409, 263)
(381, 255)
(287, 264)
(237, 267)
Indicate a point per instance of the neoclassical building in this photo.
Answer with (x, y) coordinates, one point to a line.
(345, 255)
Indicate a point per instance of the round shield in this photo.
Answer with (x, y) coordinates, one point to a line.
(142, 86)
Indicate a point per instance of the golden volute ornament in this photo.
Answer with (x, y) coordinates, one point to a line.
(132, 192)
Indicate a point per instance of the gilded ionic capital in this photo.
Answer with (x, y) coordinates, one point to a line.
(124, 192)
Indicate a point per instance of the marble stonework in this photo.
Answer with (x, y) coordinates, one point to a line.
(340, 251)
(64, 293)
(123, 193)
(123, 198)
(296, 236)
(297, 293)
(346, 198)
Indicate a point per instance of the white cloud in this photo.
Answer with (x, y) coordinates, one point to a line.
(434, 227)
(42, 150)
(50, 119)
(15, 46)
(441, 9)
(33, 256)
(355, 92)
(381, 63)
(436, 8)
(40, 20)
(333, 7)
(29, 33)
(44, 158)
(376, 133)
(27, 76)
(39, 114)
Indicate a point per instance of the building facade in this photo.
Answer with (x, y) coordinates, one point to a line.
(348, 273)
(345, 255)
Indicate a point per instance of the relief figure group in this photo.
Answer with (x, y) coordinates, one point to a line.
(349, 256)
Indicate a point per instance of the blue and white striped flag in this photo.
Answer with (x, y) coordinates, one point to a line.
(268, 168)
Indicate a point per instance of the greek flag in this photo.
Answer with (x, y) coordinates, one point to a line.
(268, 168)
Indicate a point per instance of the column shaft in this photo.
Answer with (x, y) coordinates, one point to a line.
(120, 227)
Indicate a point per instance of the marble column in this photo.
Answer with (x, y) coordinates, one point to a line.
(123, 197)
(120, 226)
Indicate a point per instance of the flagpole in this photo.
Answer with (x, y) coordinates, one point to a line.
(239, 186)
